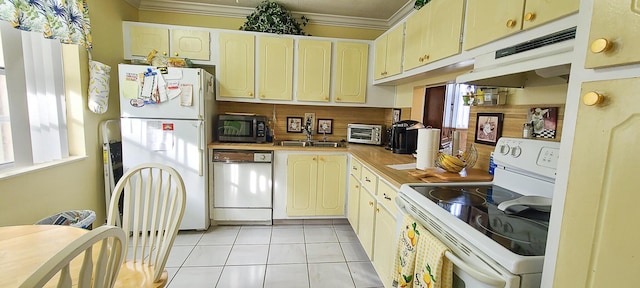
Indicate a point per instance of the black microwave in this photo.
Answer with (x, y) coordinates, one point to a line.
(241, 128)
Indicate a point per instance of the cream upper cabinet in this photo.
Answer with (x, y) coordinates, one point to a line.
(614, 34)
(351, 72)
(488, 20)
(433, 33)
(537, 12)
(597, 236)
(192, 44)
(384, 246)
(388, 49)
(316, 185)
(275, 68)
(314, 70)
(237, 62)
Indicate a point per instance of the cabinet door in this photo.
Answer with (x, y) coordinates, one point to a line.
(597, 237)
(380, 59)
(538, 12)
(385, 245)
(332, 171)
(353, 201)
(614, 34)
(314, 70)
(275, 68)
(236, 65)
(444, 29)
(488, 20)
(366, 220)
(302, 171)
(192, 44)
(416, 38)
(144, 39)
(394, 51)
(351, 72)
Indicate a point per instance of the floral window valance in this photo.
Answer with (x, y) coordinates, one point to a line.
(65, 20)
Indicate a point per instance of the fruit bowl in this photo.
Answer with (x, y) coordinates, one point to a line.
(459, 162)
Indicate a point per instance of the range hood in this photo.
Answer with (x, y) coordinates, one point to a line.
(542, 60)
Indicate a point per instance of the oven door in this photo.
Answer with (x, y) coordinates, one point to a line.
(470, 270)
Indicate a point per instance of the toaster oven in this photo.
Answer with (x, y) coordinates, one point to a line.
(365, 134)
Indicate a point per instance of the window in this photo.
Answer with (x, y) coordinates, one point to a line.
(32, 99)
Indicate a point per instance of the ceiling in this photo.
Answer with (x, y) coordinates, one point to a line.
(375, 14)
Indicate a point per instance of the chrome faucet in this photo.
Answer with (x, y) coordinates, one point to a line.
(308, 130)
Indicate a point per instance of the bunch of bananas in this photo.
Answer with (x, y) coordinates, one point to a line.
(456, 163)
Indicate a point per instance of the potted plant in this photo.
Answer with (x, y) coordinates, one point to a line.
(271, 17)
(419, 3)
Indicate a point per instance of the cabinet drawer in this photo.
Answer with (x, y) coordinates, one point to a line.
(356, 168)
(387, 196)
(369, 180)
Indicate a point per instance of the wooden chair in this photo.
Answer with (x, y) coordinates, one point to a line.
(97, 273)
(153, 206)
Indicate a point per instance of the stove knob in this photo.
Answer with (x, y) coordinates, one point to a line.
(504, 149)
(507, 228)
(516, 151)
(496, 223)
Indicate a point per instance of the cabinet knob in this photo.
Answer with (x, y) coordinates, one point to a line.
(314, 158)
(338, 99)
(357, 186)
(354, 168)
(385, 196)
(426, 57)
(164, 53)
(601, 45)
(250, 93)
(261, 95)
(592, 98)
(378, 210)
(326, 98)
(175, 54)
(511, 23)
(530, 16)
(421, 59)
(371, 203)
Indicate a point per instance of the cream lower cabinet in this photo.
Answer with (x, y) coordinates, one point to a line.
(237, 62)
(384, 244)
(375, 218)
(316, 185)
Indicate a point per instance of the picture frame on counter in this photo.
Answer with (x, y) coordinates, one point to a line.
(325, 126)
(488, 128)
(294, 124)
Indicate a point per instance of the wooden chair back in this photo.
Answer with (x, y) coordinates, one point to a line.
(100, 272)
(153, 207)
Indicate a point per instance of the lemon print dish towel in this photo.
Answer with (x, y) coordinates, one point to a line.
(406, 255)
(433, 269)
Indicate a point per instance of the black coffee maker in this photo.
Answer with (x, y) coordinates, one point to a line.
(404, 141)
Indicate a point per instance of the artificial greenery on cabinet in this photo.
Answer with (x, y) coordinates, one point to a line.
(419, 3)
(272, 17)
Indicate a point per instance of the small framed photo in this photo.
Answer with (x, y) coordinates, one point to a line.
(325, 126)
(488, 128)
(294, 124)
(396, 115)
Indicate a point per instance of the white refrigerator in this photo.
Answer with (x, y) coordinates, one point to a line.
(166, 117)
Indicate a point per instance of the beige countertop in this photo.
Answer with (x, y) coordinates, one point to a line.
(375, 157)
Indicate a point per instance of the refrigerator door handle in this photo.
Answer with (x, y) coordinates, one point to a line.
(200, 149)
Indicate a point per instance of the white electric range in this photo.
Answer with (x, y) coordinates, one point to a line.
(496, 231)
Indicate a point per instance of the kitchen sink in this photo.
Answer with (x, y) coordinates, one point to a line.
(315, 143)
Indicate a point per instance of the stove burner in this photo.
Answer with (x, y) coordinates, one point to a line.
(456, 196)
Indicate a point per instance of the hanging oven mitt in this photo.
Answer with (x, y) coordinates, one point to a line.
(98, 87)
(406, 255)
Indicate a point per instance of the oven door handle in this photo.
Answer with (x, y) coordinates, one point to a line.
(475, 273)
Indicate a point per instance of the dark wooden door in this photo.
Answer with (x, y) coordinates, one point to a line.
(433, 115)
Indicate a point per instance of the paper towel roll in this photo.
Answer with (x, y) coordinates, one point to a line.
(427, 148)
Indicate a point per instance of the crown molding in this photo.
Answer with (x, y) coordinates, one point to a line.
(134, 3)
(185, 7)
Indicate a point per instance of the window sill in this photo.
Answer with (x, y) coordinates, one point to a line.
(13, 172)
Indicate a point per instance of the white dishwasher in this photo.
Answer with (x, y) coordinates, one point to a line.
(242, 187)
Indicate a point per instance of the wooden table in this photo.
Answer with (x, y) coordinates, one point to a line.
(24, 248)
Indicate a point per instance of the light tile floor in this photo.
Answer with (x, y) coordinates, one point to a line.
(282, 256)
